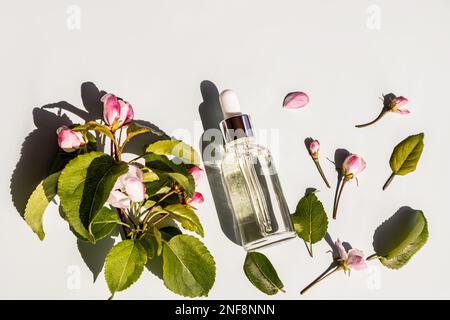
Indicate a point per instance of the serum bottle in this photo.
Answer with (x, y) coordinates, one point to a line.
(251, 181)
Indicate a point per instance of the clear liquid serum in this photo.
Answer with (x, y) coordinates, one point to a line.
(251, 181)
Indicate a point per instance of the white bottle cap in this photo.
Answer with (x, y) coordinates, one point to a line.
(230, 104)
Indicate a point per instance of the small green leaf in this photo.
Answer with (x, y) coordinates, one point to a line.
(84, 186)
(405, 156)
(187, 217)
(103, 223)
(148, 242)
(188, 267)
(135, 129)
(158, 237)
(149, 176)
(93, 125)
(124, 265)
(261, 273)
(175, 148)
(38, 202)
(406, 240)
(310, 219)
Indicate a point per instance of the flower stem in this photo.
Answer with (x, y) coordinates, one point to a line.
(336, 204)
(383, 112)
(320, 278)
(389, 180)
(147, 217)
(372, 257)
(319, 168)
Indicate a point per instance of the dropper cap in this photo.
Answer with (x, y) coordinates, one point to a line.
(236, 124)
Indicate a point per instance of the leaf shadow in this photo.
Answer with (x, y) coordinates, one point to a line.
(94, 255)
(391, 232)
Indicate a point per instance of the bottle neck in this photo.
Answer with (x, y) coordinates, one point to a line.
(236, 127)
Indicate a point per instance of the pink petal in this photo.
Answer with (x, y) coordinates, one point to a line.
(135, 189)
(295, 100)
(356, 260)
(341, 249)
(136, 172)
(400, 102)
(126, 113)
(196, 173)
(403, 111)
(111, 108)
(118, 199)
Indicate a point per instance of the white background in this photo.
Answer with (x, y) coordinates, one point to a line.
(156, 53)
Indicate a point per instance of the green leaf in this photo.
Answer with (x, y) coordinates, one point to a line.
(310, 219)
(161, 186)
(175, 148)
(84, 186)
(167, 169)
(135, 129)
(188, 267)
(158, 237)
(93, 125)
(187, 217)
(262, 274)
(103, 223)
(169, 232)
(38, 202)
(406, 155)
(405, 240)
(149, 176)
(124, 265)
(148, 242)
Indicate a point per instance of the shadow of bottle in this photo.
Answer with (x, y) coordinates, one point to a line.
(212, 148)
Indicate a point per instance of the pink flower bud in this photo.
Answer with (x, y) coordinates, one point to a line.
(353, 165)
(295, 100)
(69, 140)
(314, 147)
(116, 113)
(353, 259)
(399, 104)
(196, 199)
(196, 173)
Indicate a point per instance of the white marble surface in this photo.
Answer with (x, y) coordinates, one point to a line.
(156, 54)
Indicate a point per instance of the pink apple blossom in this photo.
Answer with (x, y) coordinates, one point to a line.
(116, 112)
(351, 260)
(69, 140)
(399, 104)
(128, 187)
